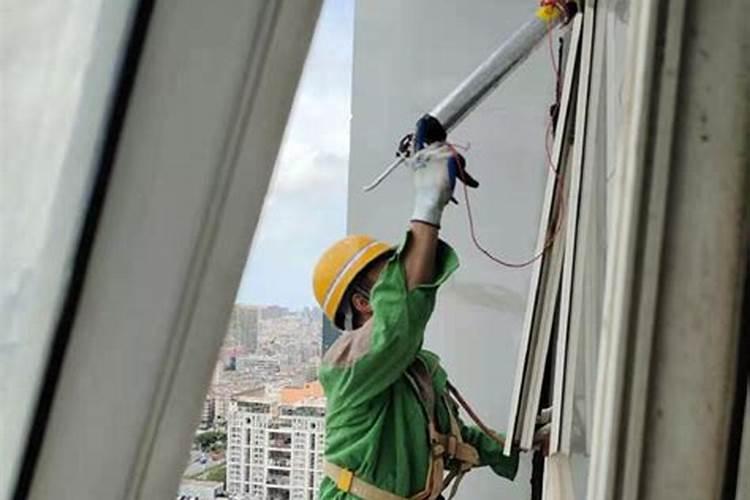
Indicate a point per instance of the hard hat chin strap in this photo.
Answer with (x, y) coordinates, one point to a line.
(365, 292)
(349, 318)
(348, 311)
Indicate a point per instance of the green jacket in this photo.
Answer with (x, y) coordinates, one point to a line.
(375, 425)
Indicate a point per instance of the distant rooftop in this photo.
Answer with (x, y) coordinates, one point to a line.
(308, 394)
(257, 394)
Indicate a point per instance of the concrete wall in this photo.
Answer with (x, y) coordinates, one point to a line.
(407, 56)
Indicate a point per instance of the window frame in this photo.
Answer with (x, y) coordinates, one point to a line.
(186, 175)
(544, 285)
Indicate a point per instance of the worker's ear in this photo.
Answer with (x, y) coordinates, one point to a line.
(361, 303)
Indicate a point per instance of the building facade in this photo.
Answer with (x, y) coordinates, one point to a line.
(243, 326)
(208, 414)
(329, 336)
(275, 444)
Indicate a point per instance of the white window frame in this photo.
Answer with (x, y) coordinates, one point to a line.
(544, 284)
(668, 363)
(214, 86)
(574, 327)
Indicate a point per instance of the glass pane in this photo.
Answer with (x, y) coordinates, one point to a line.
(262, 430)
(613, 18)
(58, 64)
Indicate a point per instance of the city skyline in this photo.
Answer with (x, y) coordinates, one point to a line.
(271, 355)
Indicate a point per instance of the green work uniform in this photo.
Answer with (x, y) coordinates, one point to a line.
(375, 423)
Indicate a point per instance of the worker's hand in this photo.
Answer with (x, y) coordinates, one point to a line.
(541, 438)
(436, 165)
(545, 416)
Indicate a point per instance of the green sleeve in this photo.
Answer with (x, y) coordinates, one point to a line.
(490, 452)
(390, 341)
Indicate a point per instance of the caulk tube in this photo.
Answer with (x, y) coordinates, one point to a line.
(485, 78)
(488, 75)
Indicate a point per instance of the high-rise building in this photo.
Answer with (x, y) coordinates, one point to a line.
(273, 312)
(208, 414)
(276, 443)
(222, 396)
(243, 326)
(330, 334)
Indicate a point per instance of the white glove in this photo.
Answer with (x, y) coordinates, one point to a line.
(433, 186)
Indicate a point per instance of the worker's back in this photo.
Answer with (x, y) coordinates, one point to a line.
(382, 439)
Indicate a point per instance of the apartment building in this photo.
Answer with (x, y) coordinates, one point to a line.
(243, 325)
(275, 444)
(208, 413)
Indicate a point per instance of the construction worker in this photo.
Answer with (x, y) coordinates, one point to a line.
(392, 424)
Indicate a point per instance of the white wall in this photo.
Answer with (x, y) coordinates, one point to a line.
(407, 56)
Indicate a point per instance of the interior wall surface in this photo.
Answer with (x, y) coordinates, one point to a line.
(407, 57)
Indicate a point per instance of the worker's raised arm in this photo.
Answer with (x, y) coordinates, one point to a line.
(365, 362)
(419, 256)
(436, 166)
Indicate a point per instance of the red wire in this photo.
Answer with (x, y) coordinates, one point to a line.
(557, 211)
(474, 416)
(547, 134)
(548, 129)
(475, 239)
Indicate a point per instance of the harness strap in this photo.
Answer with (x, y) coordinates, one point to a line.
(456, 483)
(463, 452)
(471, 459)
(492, 434)
(347, 482)
(447, 451)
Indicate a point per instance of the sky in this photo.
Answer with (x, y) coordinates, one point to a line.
(305, 208)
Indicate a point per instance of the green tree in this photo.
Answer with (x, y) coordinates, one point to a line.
(211, 440)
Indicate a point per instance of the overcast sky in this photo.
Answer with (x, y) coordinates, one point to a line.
(305, 210)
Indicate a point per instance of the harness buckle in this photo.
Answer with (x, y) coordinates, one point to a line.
(345, 479)
(452, 446)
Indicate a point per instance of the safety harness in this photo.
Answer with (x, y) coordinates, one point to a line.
(448, 452)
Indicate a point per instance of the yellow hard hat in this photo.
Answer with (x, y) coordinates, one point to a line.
(339, 265)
